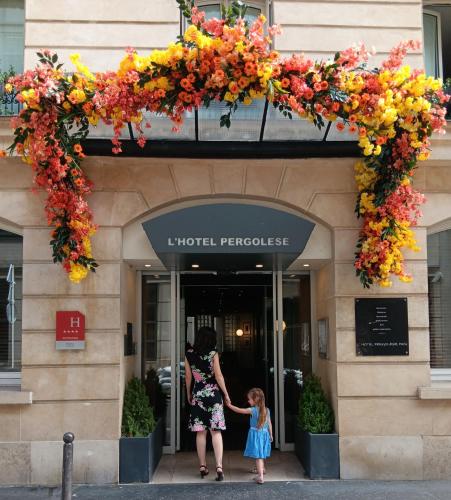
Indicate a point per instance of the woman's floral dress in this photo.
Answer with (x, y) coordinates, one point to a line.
(207, 410)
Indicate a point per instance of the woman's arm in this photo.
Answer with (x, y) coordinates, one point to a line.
(243, 411)
(219, 378)
(188, 379)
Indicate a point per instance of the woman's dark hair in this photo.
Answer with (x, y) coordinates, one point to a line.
(205, 341)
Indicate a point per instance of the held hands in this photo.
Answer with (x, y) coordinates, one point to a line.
(227, 400)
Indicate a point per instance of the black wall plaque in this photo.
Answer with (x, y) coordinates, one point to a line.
(381, 327)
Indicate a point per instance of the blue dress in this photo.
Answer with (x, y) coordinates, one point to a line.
(258, 444)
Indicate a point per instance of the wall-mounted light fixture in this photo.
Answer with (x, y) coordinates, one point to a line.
(239, 332)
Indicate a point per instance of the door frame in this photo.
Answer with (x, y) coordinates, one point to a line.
(279, 402)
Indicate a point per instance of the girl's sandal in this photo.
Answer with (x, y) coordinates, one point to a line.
(255, 471)
(203, 469)
(259, 480)
(219, 474)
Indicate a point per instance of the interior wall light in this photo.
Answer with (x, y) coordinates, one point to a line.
(239, 332)
(284, 325)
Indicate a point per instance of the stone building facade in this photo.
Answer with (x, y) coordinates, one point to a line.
(392, 413)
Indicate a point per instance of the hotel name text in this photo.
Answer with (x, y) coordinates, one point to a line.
(228, 241)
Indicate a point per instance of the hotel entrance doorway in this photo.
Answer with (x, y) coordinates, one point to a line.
(263, 322)
(239, 308)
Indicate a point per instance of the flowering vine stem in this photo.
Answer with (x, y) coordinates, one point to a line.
(392, 110)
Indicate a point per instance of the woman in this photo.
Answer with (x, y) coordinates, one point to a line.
(206, 406)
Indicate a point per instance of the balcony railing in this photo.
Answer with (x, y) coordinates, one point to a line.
(8, 104)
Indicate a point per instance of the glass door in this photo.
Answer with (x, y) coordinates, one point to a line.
(157, 348)
(293, 342)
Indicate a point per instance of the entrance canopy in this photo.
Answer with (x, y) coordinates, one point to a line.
(228, 236)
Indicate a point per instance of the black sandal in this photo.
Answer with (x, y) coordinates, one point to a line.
(219, 473)
(203, 469)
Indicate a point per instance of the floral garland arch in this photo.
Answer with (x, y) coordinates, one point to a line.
(392, 110)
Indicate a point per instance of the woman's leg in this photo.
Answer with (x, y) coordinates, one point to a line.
(216, 438)
(201, 445)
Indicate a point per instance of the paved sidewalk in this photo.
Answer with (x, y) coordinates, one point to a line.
(311, 490)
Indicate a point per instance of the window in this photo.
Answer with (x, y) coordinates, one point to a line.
(437, 42)
(213, 9)
(246, 120)
(439, 278)
(10, 308)
(12, 33)
(12, 29)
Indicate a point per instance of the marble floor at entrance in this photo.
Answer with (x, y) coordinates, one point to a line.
(183, 468)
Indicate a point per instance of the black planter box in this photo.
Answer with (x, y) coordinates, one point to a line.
(318, 454)
(139, 456)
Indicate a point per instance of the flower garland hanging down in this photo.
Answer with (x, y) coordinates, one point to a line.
(392, 110)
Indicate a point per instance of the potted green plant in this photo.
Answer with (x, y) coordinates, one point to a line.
(316, 443)
(141, 444)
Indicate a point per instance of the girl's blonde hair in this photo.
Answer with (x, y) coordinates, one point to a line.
(258, 396)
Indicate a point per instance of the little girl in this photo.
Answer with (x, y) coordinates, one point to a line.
(259, 438)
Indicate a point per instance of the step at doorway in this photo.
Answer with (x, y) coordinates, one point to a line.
(183, 467)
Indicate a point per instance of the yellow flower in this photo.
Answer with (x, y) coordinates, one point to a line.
(191, 34)
(84, 70)
(77, 96)
(77, 272)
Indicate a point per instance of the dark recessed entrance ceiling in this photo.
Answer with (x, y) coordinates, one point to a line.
(228, 236)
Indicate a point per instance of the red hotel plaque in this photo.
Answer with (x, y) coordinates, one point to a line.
(70, 330)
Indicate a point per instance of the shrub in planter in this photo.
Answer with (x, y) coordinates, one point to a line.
(137, 416)
(141, 444)
(315, 412)
(316, 443)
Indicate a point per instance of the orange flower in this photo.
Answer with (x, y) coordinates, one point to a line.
(352, 118)
(285, 83)
(186, 84)
(353, 129)
(243, 82)
(250, 68)
(324, 85)
(2, 153)
(233, 87)
(340, 126)
(78, 149)
(362, 131)
(308, 94)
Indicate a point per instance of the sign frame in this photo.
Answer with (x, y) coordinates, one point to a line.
(381, 326)
(70, 330)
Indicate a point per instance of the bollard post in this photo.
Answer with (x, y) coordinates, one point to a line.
(68, 459)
